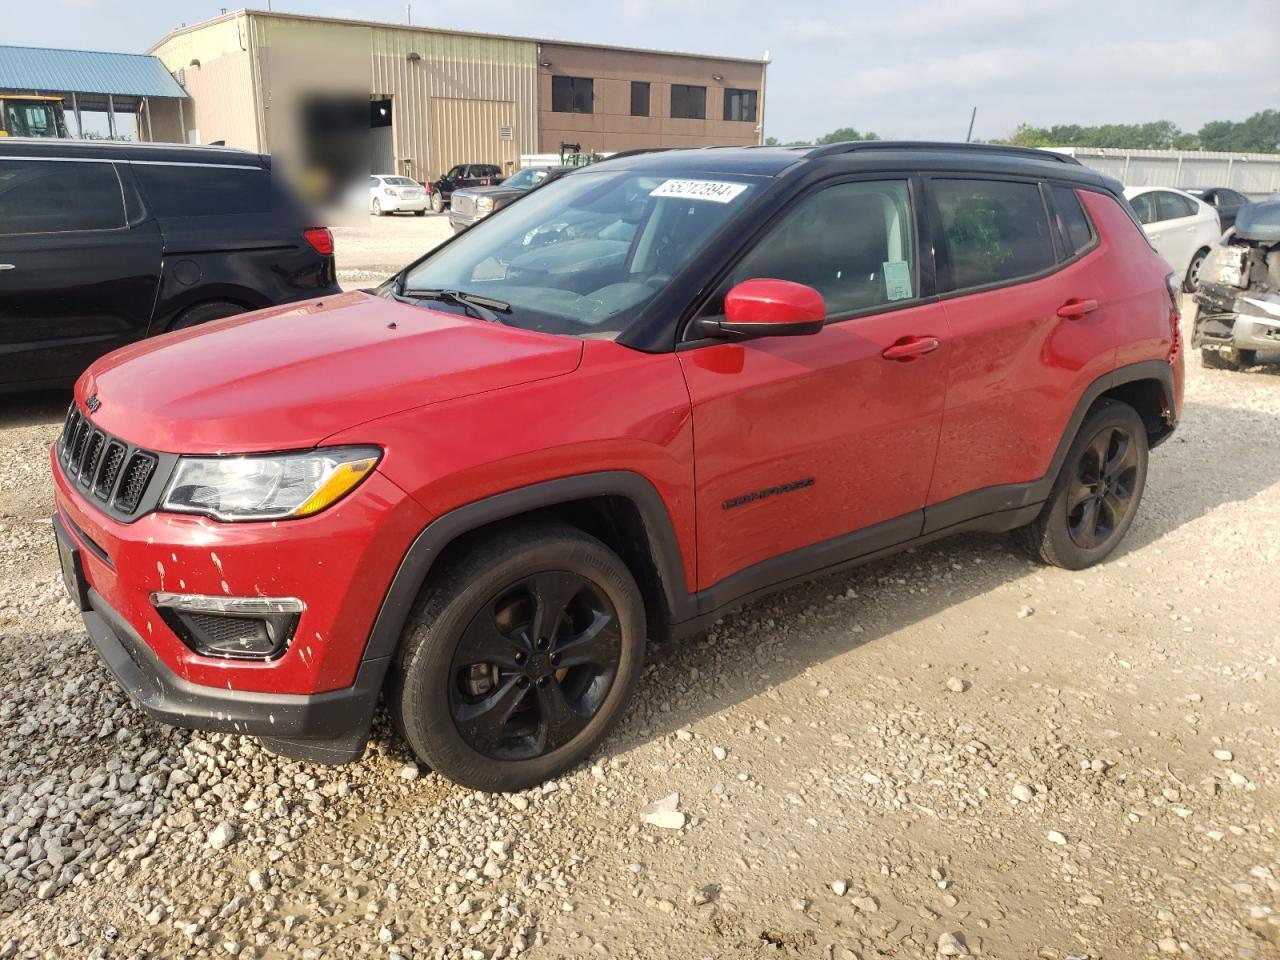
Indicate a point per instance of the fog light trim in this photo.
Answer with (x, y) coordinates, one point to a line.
(269, 623)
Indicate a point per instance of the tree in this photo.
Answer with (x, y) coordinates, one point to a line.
(1259, 133)
(844, 134)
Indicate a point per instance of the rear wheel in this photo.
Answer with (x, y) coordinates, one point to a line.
(437, 202)
(377, 207)
(519, 658)
(420, 213)
(1228, 358)
(204, 312)
(1096, 495)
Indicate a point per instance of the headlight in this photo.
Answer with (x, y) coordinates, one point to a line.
(484, 203)
(270, 487)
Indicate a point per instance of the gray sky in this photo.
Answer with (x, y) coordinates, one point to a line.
(903, 68)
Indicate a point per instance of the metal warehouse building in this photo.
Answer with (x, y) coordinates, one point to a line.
(417, 100)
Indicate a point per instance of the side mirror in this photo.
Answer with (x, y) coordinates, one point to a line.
(768, 308)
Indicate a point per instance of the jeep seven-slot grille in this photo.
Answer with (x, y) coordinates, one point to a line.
(110, 470)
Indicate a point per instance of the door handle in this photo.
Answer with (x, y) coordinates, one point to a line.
(7, 266)
(1075, 309)
(908, 348)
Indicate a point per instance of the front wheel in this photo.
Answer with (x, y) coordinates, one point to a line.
(437, 202)
(519, 658)
(1096, 495)
(1191, 283)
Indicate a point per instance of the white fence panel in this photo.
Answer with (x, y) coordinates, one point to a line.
(1256, 175)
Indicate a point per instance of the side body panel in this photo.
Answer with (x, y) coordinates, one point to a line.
(1016, 371)
(802, 439)
(72, 297)
(620, 410)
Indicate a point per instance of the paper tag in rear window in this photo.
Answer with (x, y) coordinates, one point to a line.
(717, 191)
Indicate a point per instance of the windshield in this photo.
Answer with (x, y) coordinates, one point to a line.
(526, 179)
(28, 118)
(583, 255)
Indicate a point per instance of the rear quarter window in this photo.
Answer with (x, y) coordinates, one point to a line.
(50, 196)
(205, 190)
(1073, 222)
(993, 231)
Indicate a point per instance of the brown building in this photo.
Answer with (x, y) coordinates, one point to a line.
(426, 99)
(612, 98)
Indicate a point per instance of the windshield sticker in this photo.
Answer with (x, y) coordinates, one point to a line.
(717, 191)
(897, 280)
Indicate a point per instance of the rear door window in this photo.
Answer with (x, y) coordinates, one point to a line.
(1170, 206)
(59, 196)
(993, 231)
(1073, 222)
(204, 190)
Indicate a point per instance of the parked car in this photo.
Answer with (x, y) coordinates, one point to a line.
(1181, 227)
(104, 243)
(392, 194)
(1227, 202)
(648, 392)
(463, 175)
(475, 203)
(1239, 295)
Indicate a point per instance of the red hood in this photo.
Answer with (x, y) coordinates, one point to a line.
(290, 376)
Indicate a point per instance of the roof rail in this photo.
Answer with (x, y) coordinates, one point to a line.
(622, 154)
(857, 146)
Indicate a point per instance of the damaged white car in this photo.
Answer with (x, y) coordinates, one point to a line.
(1239, 291)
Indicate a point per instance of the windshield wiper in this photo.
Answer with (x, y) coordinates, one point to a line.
(482, 308)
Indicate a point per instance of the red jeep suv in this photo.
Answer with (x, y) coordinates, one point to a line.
(659, 387)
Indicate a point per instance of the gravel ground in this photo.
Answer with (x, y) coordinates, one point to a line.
(953, 753)
(369, 249)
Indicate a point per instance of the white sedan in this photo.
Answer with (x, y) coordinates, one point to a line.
(1181, 227)
(388, 194)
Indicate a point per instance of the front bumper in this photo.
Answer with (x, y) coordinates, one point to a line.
(460, 221)
(314, 700)
(325, 727)
(1227, 318)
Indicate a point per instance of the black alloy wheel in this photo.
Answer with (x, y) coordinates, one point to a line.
(1101, 498)
(534, 666)
(521, 654)
(1096, 495)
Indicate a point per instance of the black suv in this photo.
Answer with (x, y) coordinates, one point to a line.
(463, 175)
(102, 244)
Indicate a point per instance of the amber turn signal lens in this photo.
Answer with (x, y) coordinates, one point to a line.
(340, 482)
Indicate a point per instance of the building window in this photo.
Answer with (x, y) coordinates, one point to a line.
(571, 94)
(639, 98)
(688, 103)
(740, 105)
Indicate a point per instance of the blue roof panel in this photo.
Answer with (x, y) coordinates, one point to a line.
(85, 71)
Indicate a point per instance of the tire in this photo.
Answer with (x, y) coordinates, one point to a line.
(437, 201)
(377, 208)
(1191, 282)
(1079, 526)
(204, 312)
(420, 213)
(485, 605)
(1228, 358)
